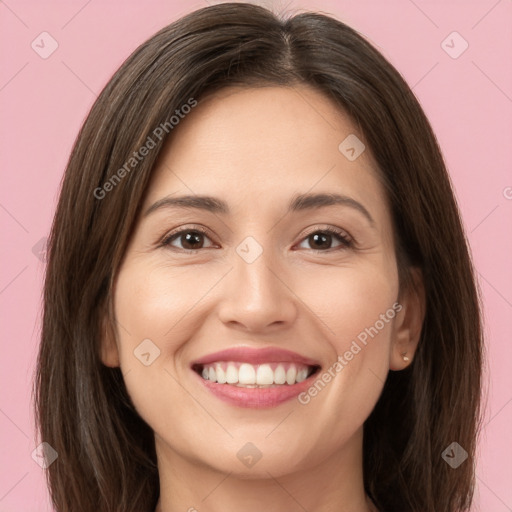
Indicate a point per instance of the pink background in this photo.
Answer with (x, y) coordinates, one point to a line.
(44, 101)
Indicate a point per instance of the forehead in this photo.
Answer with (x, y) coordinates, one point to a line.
(245, 144)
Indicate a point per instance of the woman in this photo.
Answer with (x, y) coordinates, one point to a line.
(258, 291)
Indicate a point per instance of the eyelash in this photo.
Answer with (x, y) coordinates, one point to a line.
(346, 242)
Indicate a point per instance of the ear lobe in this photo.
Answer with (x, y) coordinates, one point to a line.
(408, 322)
(109, 353)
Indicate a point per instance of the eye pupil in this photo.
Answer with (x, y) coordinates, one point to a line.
(322, 238)
(192, 237)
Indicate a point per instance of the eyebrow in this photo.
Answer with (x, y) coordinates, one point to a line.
(300, 202)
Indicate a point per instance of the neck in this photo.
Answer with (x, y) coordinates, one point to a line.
(334, 483)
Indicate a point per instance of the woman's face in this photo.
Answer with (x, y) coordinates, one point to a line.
(265, 281)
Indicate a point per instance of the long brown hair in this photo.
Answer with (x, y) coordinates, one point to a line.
(106, 455)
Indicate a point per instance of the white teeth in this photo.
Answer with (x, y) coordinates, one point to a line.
(248, 375)
(221, 375)
(301, 375)
(291, 374)
(280, 375)
(232, 374)
(264, 375)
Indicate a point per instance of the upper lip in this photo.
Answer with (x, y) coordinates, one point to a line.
(256, 356)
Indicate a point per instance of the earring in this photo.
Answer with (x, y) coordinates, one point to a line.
(404, 357)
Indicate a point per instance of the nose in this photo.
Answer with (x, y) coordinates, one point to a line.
(257, 296)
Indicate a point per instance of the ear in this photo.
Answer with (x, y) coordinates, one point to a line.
(109, 353)
(408, 321)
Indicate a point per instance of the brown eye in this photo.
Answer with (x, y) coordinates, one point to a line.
(321, 240)
(189, 239)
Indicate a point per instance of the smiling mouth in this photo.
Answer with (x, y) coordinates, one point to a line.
(246, 375)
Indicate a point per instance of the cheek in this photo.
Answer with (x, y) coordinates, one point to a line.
(357, 309)
(158, 309)
(354, 304)
(152, 303)
(365, 314)
(151, 307)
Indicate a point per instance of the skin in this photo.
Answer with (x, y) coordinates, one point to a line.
(255, 148)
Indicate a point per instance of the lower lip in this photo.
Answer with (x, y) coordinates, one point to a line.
(256, 398)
